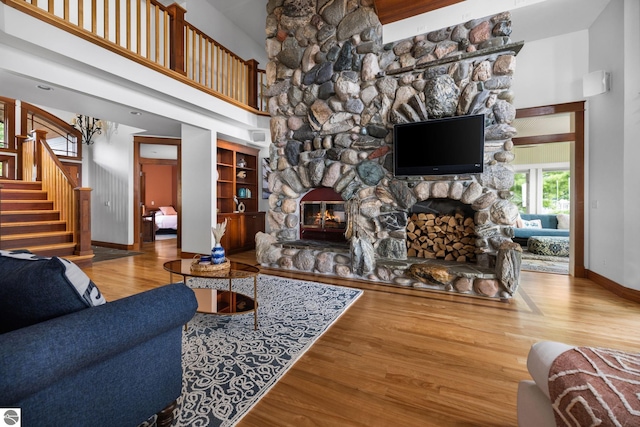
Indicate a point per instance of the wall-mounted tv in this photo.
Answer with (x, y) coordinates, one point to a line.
(448, 146)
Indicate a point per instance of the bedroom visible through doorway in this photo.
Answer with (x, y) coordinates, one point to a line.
(157, 193)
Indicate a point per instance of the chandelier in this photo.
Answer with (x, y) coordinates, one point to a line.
(88, 126)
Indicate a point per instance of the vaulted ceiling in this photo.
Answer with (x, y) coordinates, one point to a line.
(394, 10)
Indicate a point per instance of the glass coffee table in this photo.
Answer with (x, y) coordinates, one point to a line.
(219, 301)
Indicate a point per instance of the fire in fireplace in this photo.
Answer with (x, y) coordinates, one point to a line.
(323, 216)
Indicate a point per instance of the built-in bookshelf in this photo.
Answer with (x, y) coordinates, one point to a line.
(237, 167)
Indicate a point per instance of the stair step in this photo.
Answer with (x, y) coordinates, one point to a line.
(62, 250)
(32, 227)
(18, 194)
(28, 215)
(24, 205)
(14, 241)
(11, 184)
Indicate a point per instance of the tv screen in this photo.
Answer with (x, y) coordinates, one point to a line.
(449, 146)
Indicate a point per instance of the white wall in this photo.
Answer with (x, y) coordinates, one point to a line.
(111, 178)
(549, 71)
(209, 20)
(198, 189)
(631, 178)
(606, 148)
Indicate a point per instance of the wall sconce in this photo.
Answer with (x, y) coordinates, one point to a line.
(88, 126)
(596, 83)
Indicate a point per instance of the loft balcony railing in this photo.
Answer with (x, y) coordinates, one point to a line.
(159, 37)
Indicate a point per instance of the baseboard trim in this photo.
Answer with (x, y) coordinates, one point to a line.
(112, 245)
(616, 288)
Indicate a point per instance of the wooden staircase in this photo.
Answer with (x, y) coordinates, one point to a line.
(29, 221)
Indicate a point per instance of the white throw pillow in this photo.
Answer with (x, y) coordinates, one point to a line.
(532, 223)
(563, 221)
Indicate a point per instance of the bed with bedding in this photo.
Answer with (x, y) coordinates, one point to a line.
(166, 218)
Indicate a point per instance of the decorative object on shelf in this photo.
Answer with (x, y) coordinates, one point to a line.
(241, 207)
(248, 194)
(217, 253)
(242, 174)
(242, 163)
(88, 126)
(242, 193)
(236, 201)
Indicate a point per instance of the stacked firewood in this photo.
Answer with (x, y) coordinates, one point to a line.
(449, 237)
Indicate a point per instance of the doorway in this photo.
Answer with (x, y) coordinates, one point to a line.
(156, 190)
(558, 124)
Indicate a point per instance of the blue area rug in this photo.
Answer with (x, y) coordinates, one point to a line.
(228, 366)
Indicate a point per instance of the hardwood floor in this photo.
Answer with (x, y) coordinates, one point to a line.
(415, 358)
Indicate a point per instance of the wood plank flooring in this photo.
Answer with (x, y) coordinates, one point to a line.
(413, 358)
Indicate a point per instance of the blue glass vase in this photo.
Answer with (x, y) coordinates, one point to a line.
(217, 254)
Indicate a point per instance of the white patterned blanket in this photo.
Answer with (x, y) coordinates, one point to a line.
(595, 387)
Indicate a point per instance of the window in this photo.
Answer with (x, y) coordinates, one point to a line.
(555, 191)
(520, 191)
(542, 178)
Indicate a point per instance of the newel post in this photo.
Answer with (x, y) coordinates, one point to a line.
(40, 135)
(24, 146)
(252, 84)
(176, 36)
(82, 199)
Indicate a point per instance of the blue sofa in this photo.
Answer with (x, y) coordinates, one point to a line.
(549, 228)
(67, 358)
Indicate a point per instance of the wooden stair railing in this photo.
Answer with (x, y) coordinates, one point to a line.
(158, 37)
(73, 202)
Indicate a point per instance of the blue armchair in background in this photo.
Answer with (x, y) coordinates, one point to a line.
(67, 358)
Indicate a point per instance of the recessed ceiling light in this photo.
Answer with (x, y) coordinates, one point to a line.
(136, 113)
(45, 87)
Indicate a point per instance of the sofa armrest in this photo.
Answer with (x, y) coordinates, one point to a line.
(34, 357)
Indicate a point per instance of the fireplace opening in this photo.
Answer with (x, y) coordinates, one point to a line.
(323, 216)
(442, 229)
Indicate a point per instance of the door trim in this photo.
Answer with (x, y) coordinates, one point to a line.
(576, 266)
(137, 170)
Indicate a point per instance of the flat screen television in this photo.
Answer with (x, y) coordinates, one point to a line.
(448, 146)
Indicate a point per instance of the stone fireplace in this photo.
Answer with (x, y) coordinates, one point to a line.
(335, 91)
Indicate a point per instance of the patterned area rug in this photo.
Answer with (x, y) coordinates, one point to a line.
(544, 263)
(228, 366)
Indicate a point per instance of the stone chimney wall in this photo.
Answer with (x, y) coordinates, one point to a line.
(334, 93)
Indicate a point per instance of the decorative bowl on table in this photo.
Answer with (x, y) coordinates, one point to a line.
(197, 265)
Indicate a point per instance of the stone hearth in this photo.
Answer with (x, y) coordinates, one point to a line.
(334, 94)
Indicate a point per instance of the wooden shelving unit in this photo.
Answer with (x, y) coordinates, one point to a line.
(238, 174)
